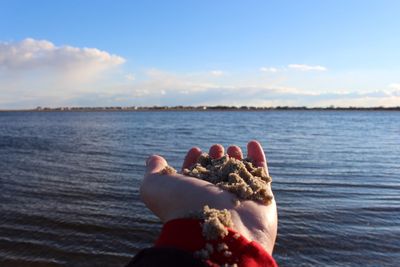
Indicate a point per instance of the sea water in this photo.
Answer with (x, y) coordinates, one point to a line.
(69, 182)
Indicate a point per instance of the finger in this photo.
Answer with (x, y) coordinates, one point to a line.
(235, 152)
(256, 153)
(216, 151)
(191, 157)
(155, 164)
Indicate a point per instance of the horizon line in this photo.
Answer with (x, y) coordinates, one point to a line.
(195, 108)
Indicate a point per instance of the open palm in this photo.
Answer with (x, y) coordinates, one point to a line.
(175, 196)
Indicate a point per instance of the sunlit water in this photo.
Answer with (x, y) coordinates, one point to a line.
(69, 182)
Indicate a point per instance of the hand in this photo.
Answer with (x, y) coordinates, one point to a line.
(175, 196)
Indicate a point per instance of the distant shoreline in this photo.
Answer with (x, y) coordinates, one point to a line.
(196, 108)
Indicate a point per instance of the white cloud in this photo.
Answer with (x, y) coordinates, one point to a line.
(130, 77)
(268, 69)
(299, 67)
(303, 67)
(217, 73)
(41, 72)
(157, 80)
(360, 101)
(140, 93)
(395, 86)
(394, 89)
(31, 53)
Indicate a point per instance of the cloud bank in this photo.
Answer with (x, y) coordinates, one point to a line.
(40, 73)
(33, 54)
(166, 88)
(37, 69)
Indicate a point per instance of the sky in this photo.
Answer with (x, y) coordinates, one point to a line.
(227, 52)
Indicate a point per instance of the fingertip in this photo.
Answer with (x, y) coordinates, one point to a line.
(155, 163)
(253, 144)
(150, 158)
(216, 151)
(194, 150)
(235, 152)
(256, 153)
(191, 157)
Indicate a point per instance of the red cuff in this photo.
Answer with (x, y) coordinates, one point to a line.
(186, 234)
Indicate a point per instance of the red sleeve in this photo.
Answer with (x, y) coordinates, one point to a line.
(186, 234)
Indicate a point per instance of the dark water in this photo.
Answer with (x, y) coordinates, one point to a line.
(69, 182)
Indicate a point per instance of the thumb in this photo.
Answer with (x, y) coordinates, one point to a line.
(155, 164)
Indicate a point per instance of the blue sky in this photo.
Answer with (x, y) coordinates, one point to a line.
(125, 53)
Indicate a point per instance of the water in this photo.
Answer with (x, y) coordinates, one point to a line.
(69, 182)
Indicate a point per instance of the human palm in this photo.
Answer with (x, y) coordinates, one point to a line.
(175, 196)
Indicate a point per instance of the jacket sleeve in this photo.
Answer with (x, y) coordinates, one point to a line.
(185, 236)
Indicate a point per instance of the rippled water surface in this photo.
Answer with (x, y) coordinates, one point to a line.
(69, 182)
